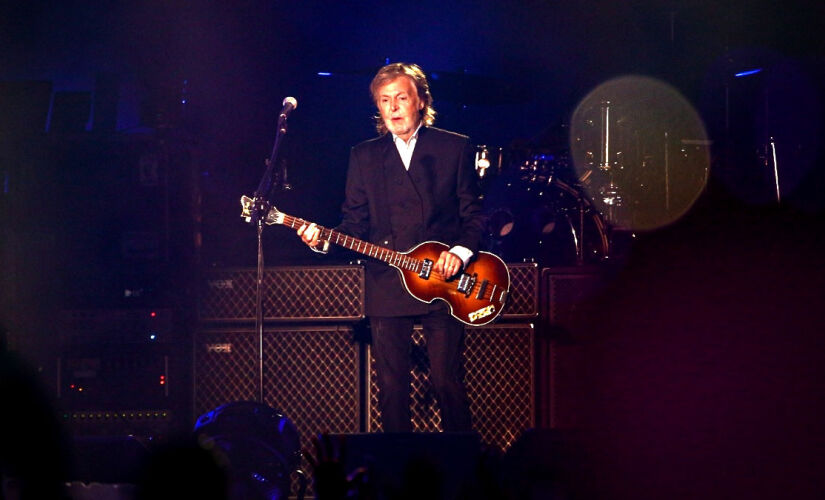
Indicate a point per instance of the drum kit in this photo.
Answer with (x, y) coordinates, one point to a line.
(634, 157)
(537, 210)
(581, 200)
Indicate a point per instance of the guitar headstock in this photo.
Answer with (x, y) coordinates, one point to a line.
(273, 216)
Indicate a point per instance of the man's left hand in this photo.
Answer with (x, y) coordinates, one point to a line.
(448, 264)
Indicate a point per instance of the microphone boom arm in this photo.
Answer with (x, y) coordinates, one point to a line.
(258, 212)
(272, 179)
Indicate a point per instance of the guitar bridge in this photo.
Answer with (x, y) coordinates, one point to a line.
(482, 289)
(466, 284)
(426, 269)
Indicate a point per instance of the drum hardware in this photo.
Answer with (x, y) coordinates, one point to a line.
(604, 161)
(694, 147)
(482, 161)
(624, 142)
(545, 222)
(775, 168)
(766, 157)
(610, 194)
(541, 217)
(667, 173)
(577, 231)
(488, 161)
(537, 209)
(500, 224)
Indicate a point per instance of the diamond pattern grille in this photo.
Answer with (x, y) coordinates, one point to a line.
(523, 301)
(310, 374)
(426, 416)
(499, 375)
(333, 293)
(498, 363)
(318, 293)
(312, 377)
(226, 368)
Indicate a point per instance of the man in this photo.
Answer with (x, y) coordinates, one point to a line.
(413, 183)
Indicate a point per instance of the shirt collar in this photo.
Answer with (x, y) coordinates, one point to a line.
(395, 138)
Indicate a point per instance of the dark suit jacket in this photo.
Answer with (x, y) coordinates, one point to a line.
(437, 199)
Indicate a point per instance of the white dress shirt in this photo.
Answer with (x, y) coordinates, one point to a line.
(405, 149)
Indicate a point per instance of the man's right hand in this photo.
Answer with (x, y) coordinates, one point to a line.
(309, 234)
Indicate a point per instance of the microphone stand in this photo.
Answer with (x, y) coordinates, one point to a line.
(271, 180)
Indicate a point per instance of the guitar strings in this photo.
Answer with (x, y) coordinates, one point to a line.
(292, 221)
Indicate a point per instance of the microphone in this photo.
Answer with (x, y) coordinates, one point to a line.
(289, 103)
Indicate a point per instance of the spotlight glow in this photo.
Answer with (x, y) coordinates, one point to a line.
(640, 151)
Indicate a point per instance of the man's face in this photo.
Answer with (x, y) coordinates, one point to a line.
(400, 107)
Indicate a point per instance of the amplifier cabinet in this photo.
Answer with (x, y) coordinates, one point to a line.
(324, 294)
(120, 388)
(310, 374)
(563, 384)
(498, 366)
(570, 297)
(290, 294)
(108, 326)
(226, 368)
(523, 301)
(154, 422)
(568, 294)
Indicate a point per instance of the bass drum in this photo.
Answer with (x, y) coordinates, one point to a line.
(551, 223)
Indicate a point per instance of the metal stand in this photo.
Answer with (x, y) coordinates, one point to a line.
(272, 180)
(775, 169)
(610, 194)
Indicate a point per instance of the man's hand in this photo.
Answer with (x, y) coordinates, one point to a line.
(448, 264)
(309, 234)
(328, 469)
(329, 476)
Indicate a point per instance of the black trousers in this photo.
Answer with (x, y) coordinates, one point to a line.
(391, 343)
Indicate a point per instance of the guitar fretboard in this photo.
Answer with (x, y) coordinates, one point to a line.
(391, 257)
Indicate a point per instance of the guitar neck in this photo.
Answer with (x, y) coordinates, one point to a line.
(391, 257)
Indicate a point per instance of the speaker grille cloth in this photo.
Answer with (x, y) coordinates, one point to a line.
(226, 368)
(498, 365)
(310, 374)
(312, 377)
(523, 301)
(331, 293)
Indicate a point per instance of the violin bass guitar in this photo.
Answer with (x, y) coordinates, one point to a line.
(476, 296)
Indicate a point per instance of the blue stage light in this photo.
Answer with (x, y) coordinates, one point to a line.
(748, 72)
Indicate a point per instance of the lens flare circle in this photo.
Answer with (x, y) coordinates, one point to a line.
(640, 151)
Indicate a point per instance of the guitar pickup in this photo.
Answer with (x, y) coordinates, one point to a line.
(502, 295)
(482, 289)
(466, 284)
(426, 269)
